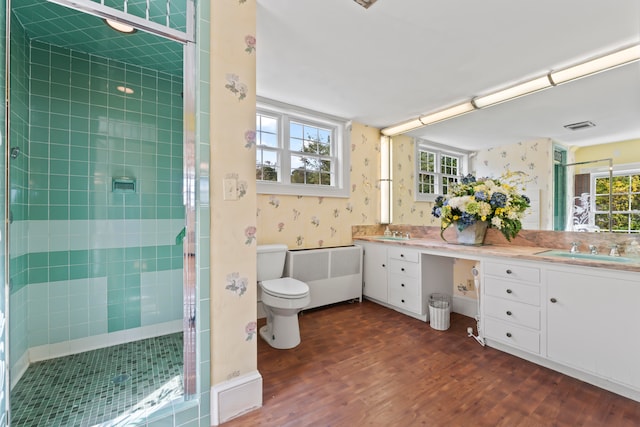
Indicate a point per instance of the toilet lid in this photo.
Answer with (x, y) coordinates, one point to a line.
(285, 287)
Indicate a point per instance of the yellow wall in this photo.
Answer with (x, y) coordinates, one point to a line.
(303, 222)
(405, 209)
(233, 249)
(621, 152)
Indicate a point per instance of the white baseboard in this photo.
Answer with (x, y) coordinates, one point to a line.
(465, 306)
(237, 396)
(65, 348)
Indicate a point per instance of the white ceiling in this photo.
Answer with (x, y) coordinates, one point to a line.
(400, 59)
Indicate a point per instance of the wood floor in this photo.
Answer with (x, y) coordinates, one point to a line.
(362, 364)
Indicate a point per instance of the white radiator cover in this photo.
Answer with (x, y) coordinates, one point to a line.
(333, 274)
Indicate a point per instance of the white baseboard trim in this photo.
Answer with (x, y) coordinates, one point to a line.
(237, 396)
(65, 348)
(465, 306)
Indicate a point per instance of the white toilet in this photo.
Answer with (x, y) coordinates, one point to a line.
(282, 298)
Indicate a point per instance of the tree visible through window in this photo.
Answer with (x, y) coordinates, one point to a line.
(625, 202)
(310, 149)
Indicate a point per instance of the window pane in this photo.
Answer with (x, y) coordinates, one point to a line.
(620, 202)
(268, 124)
(269, 158)
(325, 165)
(620, 222)
(620, 184)
(635, 202)
(268, 139)
(635, 222)
(602, 203)
(426, 184)
(602, 221)
(295, 144)
(324, 136)
(325, 178)
(447, 184)
(427, 161)
(602, 185)
(295, 130)
(297, 162)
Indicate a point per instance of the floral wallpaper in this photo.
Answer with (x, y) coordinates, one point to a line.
(535, 158)
(233, 222)
(303, 222)
(406, 210)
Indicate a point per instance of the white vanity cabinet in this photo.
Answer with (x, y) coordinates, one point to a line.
(511, 301)
(403, 279)
(374, 270)
(592, 321)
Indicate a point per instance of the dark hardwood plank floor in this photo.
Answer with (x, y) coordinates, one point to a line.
(362, 364)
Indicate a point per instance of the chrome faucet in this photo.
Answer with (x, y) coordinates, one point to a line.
(574, 247)
(593, 249)
(614, 250)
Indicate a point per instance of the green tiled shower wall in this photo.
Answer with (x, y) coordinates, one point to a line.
(87, 260)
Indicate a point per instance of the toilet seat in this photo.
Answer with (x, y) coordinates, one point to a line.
(285, 287)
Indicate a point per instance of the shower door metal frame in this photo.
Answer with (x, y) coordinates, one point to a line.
(6, 384)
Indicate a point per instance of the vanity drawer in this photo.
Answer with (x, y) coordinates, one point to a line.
(403, 254)
(405, 300)
(512, 291)
(513, 335)
(405, 284)
(405, 268)
(511, 311)
(512, 272)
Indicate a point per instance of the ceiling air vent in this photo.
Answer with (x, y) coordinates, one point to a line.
(580, 125)
(365, 3)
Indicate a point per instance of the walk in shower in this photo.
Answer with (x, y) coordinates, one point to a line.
(100, 247)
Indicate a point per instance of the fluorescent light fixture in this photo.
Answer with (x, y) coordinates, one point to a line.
(119, 26)
(402, 127)
(385, 180)
(125, 89)
(512, 92)
(448, 113)
(596, 65)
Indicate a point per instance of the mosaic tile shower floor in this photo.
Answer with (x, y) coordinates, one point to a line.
(112, 386)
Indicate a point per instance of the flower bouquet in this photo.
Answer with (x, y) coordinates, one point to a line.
(500, 203)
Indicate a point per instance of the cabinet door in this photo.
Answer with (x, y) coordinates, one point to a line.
(374, 271)
(591, 320)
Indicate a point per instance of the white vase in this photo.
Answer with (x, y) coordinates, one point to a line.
(472, 234)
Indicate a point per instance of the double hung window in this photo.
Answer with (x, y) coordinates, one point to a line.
(300, 152)
(437, 169)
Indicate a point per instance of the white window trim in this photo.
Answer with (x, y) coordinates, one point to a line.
(603, 172)
(439, 149)
(342, 141)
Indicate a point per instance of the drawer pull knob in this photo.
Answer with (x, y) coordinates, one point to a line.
(508, 334)
(508, 313)
(401, 255)
(402, 301)
(553, 300)
(402, 284)
(509, 291)
(383, 265)
(509, 272)
(402, 269)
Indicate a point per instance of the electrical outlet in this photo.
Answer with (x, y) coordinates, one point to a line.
(470, 284)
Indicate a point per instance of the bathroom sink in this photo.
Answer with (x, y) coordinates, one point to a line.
(396, 238)
(586, 256)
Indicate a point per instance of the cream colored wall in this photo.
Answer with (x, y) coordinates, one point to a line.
(621, 152)
(535, 158)
(405, 209)
(233, 245)
(303, 222)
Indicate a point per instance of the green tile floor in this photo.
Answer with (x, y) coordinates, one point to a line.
(114, 386)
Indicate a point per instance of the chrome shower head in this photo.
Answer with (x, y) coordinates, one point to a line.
(15, 151)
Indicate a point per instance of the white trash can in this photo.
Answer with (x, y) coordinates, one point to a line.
(440, 311)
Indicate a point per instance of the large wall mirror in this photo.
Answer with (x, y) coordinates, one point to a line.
(528, 133)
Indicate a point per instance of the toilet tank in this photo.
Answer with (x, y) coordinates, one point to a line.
(270, 261)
